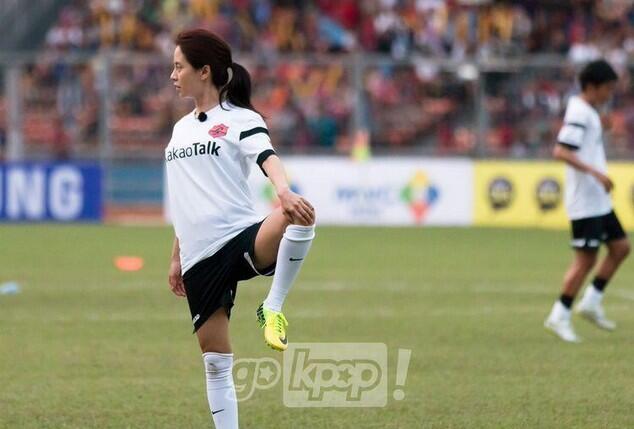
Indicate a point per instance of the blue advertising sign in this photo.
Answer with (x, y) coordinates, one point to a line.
(50, 192)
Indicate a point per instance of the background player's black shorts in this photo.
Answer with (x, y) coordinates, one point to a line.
(589, 233)
(212, 283)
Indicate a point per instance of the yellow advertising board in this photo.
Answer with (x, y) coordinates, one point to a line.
(622, 174)
(531, 194)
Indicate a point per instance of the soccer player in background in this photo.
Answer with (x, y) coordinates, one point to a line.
(588, 203)
(220, 240)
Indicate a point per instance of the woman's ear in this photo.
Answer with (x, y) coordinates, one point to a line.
(205, 72)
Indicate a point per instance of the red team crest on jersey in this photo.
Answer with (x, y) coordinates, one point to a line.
(219, 130)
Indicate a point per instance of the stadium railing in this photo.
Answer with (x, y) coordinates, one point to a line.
(119, 108)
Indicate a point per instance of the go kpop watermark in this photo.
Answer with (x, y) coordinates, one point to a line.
(325, 375)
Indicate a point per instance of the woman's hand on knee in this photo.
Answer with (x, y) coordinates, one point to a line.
(296, 208)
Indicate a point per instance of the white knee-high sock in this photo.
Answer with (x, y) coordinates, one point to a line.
(290, 256)
(221, 392)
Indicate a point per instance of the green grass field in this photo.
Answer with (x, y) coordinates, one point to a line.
(87, 346)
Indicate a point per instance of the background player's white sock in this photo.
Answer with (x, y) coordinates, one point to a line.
(221, 392)
(290, 256)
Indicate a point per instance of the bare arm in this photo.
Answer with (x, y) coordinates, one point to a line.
(175, 277)
(277, 175)
(296, 209)
(562, 153)
(176, 250)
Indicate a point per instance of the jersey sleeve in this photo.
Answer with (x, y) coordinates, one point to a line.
(254, 141)
(573, 129)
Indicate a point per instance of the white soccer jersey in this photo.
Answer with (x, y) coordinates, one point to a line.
(207, 167)
(582, 131)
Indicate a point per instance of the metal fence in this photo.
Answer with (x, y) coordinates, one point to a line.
(122, 106)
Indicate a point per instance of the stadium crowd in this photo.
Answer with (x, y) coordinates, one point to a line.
(309, 99)
(442, 28)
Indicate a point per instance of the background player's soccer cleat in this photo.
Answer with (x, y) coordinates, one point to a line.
(558, 321)
(274, 324)
(563, 329)
(595, 314)
(590, 308)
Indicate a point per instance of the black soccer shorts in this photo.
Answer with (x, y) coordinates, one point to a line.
(589, 233)
(212, 283)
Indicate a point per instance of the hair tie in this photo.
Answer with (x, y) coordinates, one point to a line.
(230, 74)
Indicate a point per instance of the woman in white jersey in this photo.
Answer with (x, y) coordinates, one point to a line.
(220, 240)
(588, 203)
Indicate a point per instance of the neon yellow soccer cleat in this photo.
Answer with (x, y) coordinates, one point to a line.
(274, 325)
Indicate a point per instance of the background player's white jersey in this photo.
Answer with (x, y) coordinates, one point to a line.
(583, 132)
(207, 167)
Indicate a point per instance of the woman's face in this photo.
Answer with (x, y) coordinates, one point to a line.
(187, 80)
